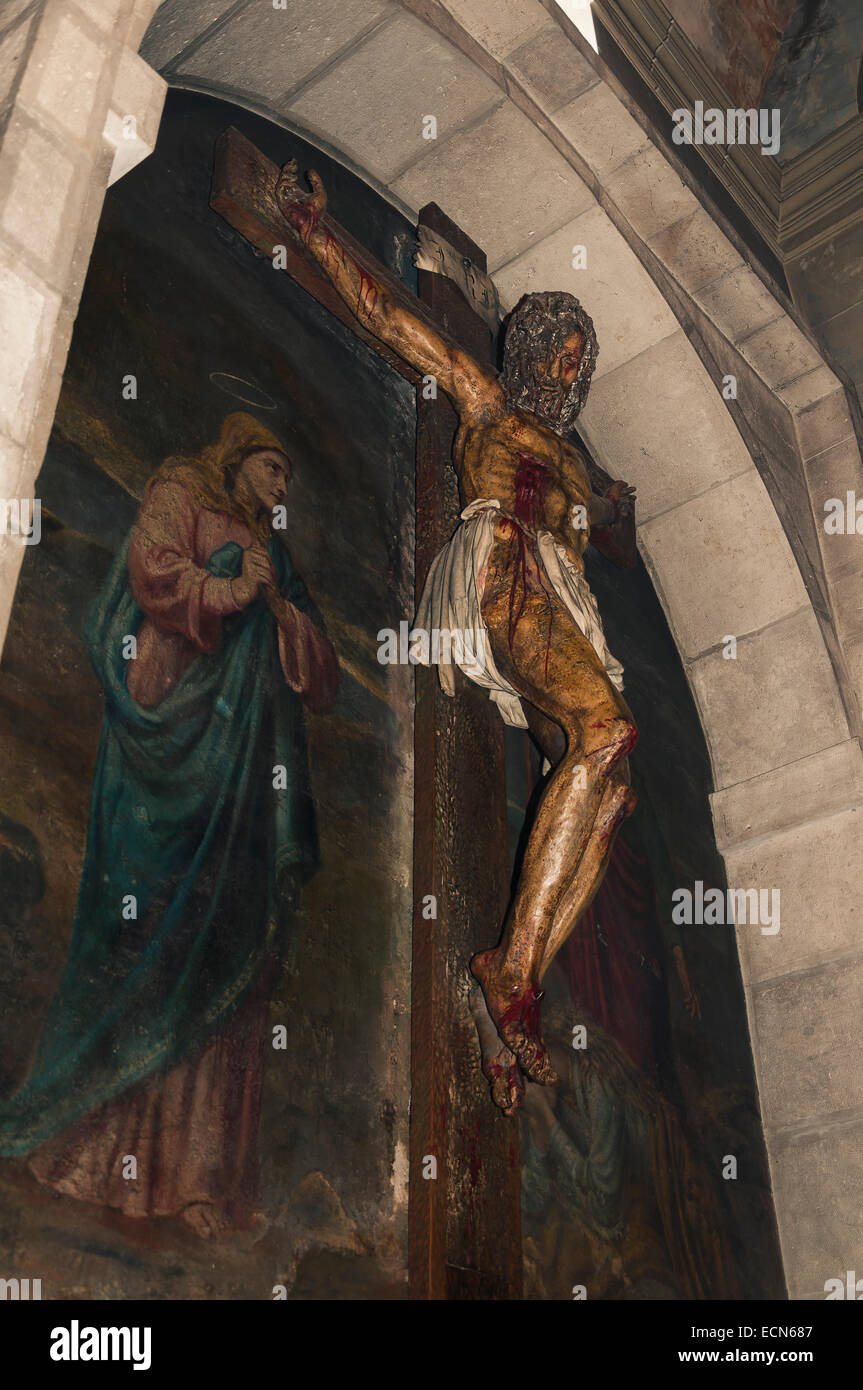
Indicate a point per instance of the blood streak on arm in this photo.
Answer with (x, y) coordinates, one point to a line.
(367, 295)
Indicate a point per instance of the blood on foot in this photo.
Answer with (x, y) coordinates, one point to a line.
(517, 1021)
(507, 1087)
(520, 1020)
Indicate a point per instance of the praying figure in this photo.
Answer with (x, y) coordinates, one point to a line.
(513, 576)
(144, 1094)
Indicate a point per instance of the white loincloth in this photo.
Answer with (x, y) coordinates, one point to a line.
(452, 596)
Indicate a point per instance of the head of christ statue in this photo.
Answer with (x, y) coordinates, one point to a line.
(549, 354)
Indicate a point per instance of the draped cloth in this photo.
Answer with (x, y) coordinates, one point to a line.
(452, 598)
(191, 835)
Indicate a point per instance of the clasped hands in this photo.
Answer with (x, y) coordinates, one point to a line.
(258, 576)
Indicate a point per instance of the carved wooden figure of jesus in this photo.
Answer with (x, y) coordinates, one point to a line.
(513, 574)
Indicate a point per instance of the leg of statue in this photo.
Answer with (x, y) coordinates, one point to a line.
(619, 802)
(499, 1064)
(551, 664)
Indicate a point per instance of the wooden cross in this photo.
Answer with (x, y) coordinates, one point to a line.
(464, 1225)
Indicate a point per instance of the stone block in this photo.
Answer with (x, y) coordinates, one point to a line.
(502, 181)
(628, 311)
(42, 421)
(818, 1189)
(626, 422)
(831, 475)
(88, 224)
(842, 337)
(694, 251)
(139, 92)
(820, 911)
(28, 314)
(776, 702)
(65, 81)
(105, 14)
(13, 45)
(824, 423)
(280, 48)
(846, 596)
(598, 125)
(829, 278)
(42, 192)
(853, 653)
(552, 69)
(807, 1025)
(502, 26)
(11, 467)
(780, 353)
(806, 390)
(649, 193)
(12, 552)
(732, 539)
(738, 303)
(175, 24)
(828, 781)
(374, 104)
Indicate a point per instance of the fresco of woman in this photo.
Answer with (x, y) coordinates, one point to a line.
(202, 828)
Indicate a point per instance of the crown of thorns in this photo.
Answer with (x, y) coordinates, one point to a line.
(539, 325)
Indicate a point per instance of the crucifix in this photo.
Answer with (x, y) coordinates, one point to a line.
(512, 574)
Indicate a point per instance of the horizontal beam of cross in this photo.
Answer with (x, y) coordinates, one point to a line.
(243, 192)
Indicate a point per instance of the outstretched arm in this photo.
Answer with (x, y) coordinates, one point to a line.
(473, 389)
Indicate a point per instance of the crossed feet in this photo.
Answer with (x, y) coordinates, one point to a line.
(507, 1021)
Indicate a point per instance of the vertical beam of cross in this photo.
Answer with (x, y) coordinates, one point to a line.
(465, 1227)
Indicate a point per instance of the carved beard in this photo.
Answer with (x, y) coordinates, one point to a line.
(558, 409)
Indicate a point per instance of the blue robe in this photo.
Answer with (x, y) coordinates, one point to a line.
(186, 821)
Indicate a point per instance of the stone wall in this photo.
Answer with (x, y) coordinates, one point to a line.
(70, 80)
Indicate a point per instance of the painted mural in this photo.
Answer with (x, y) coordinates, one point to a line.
(738, 39)
(206, 834)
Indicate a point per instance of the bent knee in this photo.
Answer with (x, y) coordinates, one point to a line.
(607, 739)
